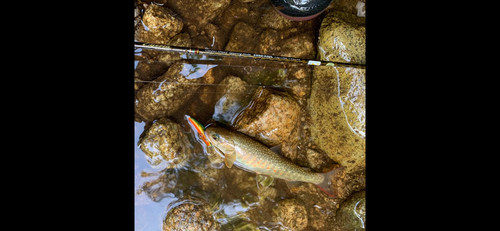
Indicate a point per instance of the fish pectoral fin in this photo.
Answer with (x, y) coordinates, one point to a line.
(229, 158)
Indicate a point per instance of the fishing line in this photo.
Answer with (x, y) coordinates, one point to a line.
(311, 62)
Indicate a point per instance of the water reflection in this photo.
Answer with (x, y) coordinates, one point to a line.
(194, 71)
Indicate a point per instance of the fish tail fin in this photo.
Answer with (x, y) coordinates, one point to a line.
(328, 185)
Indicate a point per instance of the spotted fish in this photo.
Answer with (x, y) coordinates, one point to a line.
(253, 156)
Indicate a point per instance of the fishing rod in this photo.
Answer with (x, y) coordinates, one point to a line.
(159, 47)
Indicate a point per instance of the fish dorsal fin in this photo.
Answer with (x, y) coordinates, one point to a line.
(277, 149)
(229, 158)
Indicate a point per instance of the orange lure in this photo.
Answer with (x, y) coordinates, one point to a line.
(199, 128)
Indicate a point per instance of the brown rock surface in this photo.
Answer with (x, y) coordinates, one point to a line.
(269, 118)
(243, 38)
(171, 90)
(159, 25)
(165, 145)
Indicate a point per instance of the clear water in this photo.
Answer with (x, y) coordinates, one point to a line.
(235, 198)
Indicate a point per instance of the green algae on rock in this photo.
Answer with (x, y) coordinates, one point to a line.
(164, 145)
(337, 115)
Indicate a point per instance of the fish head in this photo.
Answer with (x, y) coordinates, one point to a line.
(220, 138)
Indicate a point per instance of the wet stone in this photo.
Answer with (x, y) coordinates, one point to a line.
(180, 40)
(347, 11)
(319, 206)
(299, 82)
(159, 25)
(154, 63)
(158, 185)
(171, 90)
(351, 214)
(317, 161)
(270, 118)
(291, 213)
(164, 145)
(190, 216)
(234, 13)
(243, 38)
(216, 37)
(210, 178)
(300, 46)
(272, 19)
(338, 117)
(268, 43)
(232, 94)
(196, 12)
(341, 41)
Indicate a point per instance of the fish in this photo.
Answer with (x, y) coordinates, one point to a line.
(251, 155)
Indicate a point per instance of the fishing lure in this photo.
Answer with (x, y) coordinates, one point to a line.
(199, 129)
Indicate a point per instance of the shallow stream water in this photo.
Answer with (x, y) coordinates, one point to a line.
(199, 192)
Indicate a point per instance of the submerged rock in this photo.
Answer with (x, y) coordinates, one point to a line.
(341, 41)
(338, 117)
(232, 94)
(300, 46)
(198, 13)
(351, 214)
(190, 215)
(159, 25)
(158, 185)
(272, 19)
(269, 118)
(154, 63)
(269, 43)
(165, 145)
(243, 38)
(291, 213)
(171, 90)
(235, 12)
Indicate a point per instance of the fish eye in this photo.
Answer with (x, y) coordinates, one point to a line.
(215, 137)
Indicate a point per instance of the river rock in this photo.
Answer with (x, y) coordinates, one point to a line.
(159, 25)
(268, 43)
(164, 145)
(272, 19)
(235, 12)
(171, 90)
(158, 185)
(154, 63)
(196, 12)
(270, 118)
(189, 215)
(341, 41)
(291, 213)
(338, 117)
(232, 94)
(300, 46)
(351, 214)
(243, 38)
